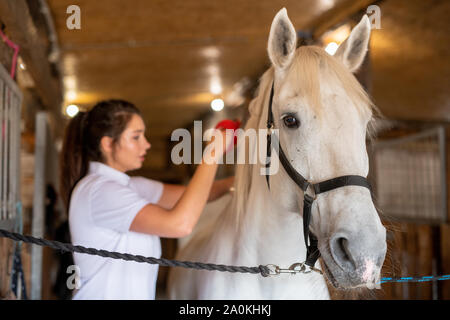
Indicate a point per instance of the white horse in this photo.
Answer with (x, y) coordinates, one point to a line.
(323, 116)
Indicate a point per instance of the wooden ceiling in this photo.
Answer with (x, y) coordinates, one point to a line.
(410, 60)
(163, 55)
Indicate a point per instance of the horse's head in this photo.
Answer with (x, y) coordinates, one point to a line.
(322, 114)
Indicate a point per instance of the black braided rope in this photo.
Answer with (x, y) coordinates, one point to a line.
(263, 270)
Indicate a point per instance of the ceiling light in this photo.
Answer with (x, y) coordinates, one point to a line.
(337, 35)
(331, 48)
(215, 87)
(71, 95)
(72, 110)
(217, 104)
(210, 52)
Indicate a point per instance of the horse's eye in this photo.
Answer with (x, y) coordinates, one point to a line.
(291, 122)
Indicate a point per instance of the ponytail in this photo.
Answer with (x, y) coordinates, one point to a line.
(73, 160)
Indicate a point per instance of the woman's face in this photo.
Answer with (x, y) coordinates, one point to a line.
(130, 150)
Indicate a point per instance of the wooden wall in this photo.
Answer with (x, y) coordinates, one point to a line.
(417, 249)
(445, 230)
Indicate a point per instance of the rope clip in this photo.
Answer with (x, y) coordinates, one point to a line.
(295, 268)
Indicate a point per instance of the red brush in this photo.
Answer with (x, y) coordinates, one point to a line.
(229, 124)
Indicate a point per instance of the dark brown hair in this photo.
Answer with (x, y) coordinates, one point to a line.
(82, 140)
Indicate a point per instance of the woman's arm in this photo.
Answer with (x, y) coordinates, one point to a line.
(173, 192)
(181, 219)
(220, 187)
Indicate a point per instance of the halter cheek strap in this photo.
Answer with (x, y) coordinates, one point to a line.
(312, 251)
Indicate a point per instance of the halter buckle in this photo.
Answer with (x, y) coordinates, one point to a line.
(270, 129)
(310, 197)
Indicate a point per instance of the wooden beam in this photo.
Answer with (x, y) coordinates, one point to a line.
(337, 15)
(21, 29)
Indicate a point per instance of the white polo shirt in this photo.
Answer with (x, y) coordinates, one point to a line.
(102, 207)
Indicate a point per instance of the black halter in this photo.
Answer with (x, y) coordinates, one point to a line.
(312, 252)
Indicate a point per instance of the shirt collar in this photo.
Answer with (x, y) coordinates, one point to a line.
(105, 170)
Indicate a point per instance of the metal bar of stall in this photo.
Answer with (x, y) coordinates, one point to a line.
(438, 211)
(8, 152)
(10, 106)
(5, 154)
(15, 155)
(19, 140)
(12, 160)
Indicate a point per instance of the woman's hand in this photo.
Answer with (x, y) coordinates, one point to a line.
(221, 142)
(220, 187)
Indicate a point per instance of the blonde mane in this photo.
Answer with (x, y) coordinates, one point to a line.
(308, 63)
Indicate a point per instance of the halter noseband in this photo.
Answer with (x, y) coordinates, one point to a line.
(312, 251)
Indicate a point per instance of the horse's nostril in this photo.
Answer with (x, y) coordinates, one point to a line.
(343, 243)
(341, 253)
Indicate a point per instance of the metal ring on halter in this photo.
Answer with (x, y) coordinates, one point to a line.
(310, 187)
(309, 269)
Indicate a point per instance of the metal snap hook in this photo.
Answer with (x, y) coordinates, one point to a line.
(273, 269)
(295, 268)
(298, 267)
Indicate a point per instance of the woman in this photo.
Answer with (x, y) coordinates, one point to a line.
(110, 210)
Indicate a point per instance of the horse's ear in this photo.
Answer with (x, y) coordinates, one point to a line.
(353, 50)
(282, 40)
